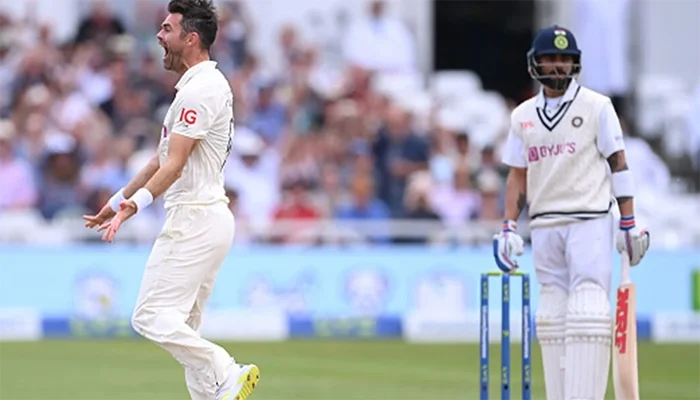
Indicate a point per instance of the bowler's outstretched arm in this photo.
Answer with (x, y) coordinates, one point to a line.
(142, 177)
(179, 150)
(113, 205)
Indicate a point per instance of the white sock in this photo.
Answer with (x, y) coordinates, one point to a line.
(588, 337)
(550, 321)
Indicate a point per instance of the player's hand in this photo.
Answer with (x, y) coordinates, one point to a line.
(96, 220)
(633, 240)
(507, 244)
(128, 210)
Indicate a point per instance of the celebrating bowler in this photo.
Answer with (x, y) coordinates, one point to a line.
(187, 170)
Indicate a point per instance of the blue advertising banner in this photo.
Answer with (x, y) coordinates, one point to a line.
(102, 282)
(345, 328)
(78, 328)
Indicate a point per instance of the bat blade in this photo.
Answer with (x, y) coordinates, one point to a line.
(625, 376)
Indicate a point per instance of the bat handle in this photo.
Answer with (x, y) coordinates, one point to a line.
(625, 268)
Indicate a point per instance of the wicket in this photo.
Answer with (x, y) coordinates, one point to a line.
(505, 335)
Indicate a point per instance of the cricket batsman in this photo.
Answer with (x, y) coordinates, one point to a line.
(195, 142)
(559, 149)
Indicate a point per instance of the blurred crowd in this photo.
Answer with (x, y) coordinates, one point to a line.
(80, 118)
(317, 136)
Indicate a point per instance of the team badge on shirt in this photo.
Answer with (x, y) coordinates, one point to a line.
(577, 122)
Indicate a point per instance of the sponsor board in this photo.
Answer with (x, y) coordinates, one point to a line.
(676, 327)
(245, 325)
(19, 324)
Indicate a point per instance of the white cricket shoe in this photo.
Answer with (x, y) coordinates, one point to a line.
(240, 383)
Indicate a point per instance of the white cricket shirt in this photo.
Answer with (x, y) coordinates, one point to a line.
(203, 110)
(564, 144)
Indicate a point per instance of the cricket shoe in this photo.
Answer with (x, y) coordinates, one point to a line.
(240, 383)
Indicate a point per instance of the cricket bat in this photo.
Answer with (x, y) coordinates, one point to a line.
(625, 377)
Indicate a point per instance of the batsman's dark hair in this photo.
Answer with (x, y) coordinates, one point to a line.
(197, 16)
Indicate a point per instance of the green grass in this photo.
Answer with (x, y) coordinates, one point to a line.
(308, 370)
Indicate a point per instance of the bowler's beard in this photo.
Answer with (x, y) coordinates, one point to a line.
(171, 61)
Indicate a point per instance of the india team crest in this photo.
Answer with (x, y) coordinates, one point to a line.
(561, 42)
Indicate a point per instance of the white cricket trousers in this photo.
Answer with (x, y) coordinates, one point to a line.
(567, 255)
(177, 282)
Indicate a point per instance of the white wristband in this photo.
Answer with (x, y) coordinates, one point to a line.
(143, 198)
(622, 184)
(116, 199)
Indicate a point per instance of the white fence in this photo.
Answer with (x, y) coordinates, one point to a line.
(29, 227)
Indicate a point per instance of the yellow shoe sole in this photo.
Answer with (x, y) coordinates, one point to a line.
(249, 381)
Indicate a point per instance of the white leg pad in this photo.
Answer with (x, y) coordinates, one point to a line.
(588, 337)
(550, 320)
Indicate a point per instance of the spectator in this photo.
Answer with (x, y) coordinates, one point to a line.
(30, 146)
(10, 57)
(490, 186)
(489, 161)
(289, 47)
(331, 194)
(418, 205)
(366, 206)
(99, 25)
(69, 107)
(33, 73)
(379, 42)
(296, 207)
(105, 168)
(398, 152)
(235, 28)
(490, 177)
(299, 161)
(269, 116)
(19, 190)
(60, 187)
(463, 154)
(243, 89)
(456, 203)
(253, 171)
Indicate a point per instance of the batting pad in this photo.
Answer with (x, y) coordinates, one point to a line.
(550, 320)
(588, 337)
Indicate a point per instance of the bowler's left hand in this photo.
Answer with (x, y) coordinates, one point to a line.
(127, 210)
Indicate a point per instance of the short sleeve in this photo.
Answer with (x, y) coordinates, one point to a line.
(514, 151)
(193, 116)
(609, 132)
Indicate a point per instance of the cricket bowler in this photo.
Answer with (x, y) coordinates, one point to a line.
(560, 145)
(195, 142)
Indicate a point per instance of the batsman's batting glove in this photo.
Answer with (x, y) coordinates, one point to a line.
(633, 240)
(507, 244)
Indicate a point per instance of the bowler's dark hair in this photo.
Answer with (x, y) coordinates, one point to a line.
(197, 16)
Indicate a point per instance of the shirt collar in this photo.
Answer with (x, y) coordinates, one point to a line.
(568, 95)
(194, 70)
